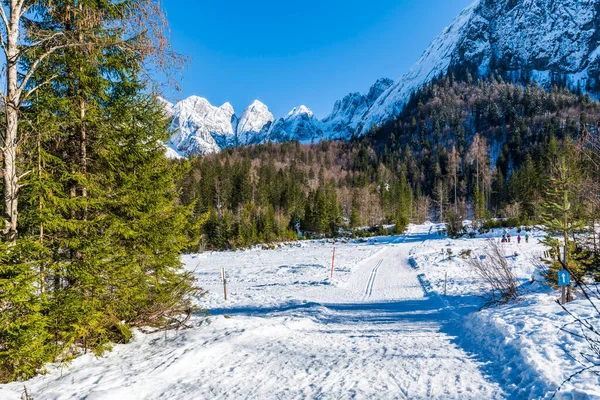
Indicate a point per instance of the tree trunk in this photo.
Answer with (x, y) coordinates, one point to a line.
(42, 273)
(456, 191)
(9, 151)
(83, 155)
(83, 133)
(11, 181)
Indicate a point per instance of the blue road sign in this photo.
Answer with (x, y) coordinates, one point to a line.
(564, 279)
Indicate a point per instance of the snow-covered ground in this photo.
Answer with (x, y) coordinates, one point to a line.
(381, 329)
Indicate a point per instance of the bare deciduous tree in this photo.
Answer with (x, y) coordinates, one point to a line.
(453, 167)
(479, 155)
(422, 209)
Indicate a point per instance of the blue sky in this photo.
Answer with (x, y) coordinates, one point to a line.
(288, 53)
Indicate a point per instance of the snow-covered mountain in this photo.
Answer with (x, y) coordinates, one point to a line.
(201, 128)
(547, 41)
(254, 124)
(541, 40)
(300, 124)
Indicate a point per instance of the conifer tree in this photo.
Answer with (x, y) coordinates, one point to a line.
(560, 216)
(102, 231)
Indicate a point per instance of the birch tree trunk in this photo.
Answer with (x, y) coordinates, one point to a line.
(12, 102)
(15, 43)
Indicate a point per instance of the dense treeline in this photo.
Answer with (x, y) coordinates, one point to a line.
(459, 149)
(93, 247)
(274, 192)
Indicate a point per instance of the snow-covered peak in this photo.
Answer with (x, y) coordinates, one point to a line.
(299, 124)
(257, 104)
(254, 123)
(227, 108)
(296, 111)
(378, 88)
(201, 128)
(348, 114)
(259, 111)
(194, 102)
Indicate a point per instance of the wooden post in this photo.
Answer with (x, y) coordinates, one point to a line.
(332, 263)
(224, 283)
(563, 289)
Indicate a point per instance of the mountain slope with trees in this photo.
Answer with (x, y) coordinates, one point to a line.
(460, 149)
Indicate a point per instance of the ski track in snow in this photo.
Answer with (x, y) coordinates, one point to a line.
(287, 332)
(369, 288)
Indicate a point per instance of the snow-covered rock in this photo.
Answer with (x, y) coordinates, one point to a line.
(300, 124)
(168, 106)
(348, 114)
(172, 154)
(254, 124)
(201, 128)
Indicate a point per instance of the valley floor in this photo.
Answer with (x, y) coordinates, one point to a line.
(381, 329)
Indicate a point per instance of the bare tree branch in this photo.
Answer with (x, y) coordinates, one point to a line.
(35, 66)
(4, 18)
(493, 268)
(570, 378)
(38, 44)
(24, 9)
(50, 51)
(36, 88)
(4, 50)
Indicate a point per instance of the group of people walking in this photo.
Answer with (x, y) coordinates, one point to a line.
(506, 237)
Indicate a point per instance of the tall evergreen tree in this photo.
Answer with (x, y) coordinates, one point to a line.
(102, 232)
(560, 214)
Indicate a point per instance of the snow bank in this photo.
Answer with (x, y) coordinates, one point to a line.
(531, 356)
(534, 355)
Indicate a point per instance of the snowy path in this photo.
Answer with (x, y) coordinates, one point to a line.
(287, 333)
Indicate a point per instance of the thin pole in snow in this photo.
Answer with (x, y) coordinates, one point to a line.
(224, 283)
(332, 263)
(445, 283)
(563, 289)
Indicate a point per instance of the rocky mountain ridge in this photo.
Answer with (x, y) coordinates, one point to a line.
(546, 41)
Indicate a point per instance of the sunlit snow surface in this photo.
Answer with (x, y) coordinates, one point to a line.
(379, 330)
